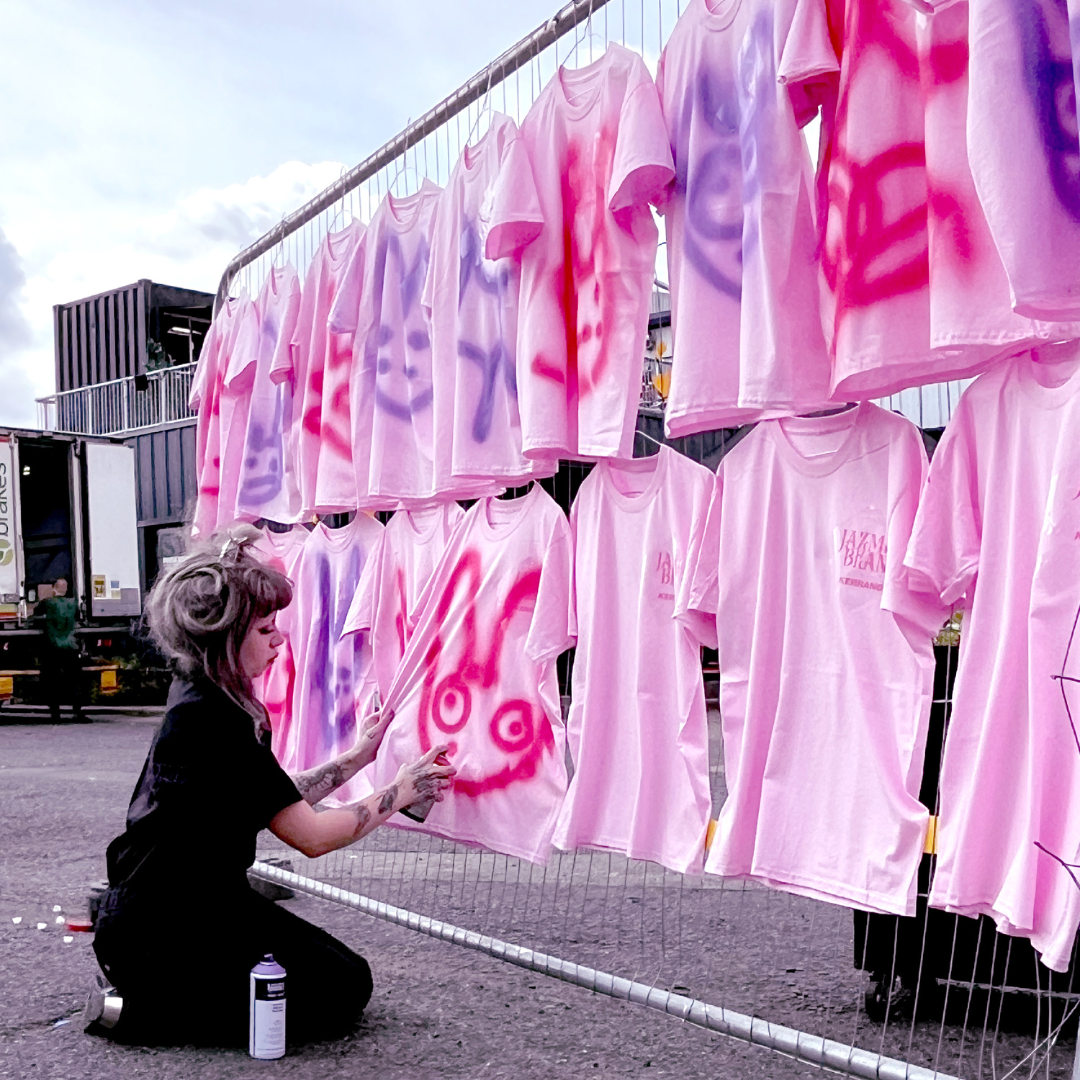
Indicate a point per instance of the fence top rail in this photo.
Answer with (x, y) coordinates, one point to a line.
(161, 373)
(517, 56)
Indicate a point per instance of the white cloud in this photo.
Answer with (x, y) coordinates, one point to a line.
(188, 245)
(232, 217)
(16, 405)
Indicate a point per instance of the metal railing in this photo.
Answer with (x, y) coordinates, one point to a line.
(122, 405)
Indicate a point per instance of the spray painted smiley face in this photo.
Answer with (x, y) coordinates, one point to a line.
(398, 351)
(468, 700)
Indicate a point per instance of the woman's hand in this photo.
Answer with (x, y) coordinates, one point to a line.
(370, 732)
(423, 780)
(317, 783)
(316, 834)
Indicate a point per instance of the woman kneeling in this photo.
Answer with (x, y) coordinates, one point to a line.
(180, 928)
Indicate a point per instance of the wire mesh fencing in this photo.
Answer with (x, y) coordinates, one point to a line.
(943, 994)
(867, 995)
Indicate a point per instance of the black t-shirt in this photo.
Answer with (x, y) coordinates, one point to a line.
(209, 785)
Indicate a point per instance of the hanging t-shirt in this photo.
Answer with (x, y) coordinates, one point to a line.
(826, 657)
(1024, 148)
(479, 673)
(998, 533)
(472, 302)
(230, 331)
(235, 408)
(333, 669)
(599, 153)
(385, 604)
(873, 172)
(274, 688)
(741, 238)
(392, 393)
(267, 482)
(319, 363)
(971, 318)
(637, 729)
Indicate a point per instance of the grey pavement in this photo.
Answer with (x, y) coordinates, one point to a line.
(437, 1011)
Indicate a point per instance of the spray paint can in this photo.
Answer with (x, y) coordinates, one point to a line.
(419, 811)
(266, 1009)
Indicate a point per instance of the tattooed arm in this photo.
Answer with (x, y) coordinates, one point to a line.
(316, 834)
(317, 783)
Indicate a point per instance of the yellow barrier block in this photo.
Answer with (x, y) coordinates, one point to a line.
(108, 680)
(930, 847)
(7, 686)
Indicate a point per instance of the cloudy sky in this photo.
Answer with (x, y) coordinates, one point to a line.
(152, 140)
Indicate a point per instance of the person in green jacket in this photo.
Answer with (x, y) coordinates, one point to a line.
(61, 665)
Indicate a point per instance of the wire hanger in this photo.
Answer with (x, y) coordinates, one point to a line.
(404, 162)
(340, 210)
(484, 110)
(589, 33)
(649, 438)
(403, 170)
(516, 492)
(833, 411)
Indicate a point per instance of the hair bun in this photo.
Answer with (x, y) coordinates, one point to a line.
(236, 539)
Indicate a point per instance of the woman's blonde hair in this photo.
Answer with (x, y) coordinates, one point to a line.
(201, 609)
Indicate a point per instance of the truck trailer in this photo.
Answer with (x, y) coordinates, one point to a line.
(67, 509)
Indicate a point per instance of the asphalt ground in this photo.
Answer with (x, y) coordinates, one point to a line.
(437, 1010)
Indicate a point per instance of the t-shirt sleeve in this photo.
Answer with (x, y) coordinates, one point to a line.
(270, 789)
(809, 66)
(207, 763)
(204, 369)
(439, 244)
(573, 521)
(516, 217)
(928, 7)
(699, 589)
(345, 311)
(550, 631)
(281, 363)
(943, 553)
(240, 370)
(364, 606)
(901, 595)
(643, 167)
(701, 623)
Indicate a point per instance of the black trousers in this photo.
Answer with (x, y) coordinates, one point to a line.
(190, 984)
(62, 680)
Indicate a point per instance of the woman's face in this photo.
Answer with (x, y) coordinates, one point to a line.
(260, 646)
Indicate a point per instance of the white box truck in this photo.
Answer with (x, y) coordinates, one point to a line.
(67, 509)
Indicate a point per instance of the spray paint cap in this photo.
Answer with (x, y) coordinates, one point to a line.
(268, 967)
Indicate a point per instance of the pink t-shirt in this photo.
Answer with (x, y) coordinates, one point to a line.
(971, 318)
(235, 406)
(319, 363)
(392, 395)
(741, 239)
(637, 729)
(333, 669)
(274, 689)
(267, 485)
(826, 657)
(385, 604)
(472, 302)
(217, 455)
(998, 534)
(479, 673)
(1024, 149)
(873, 172)
(599, 153)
